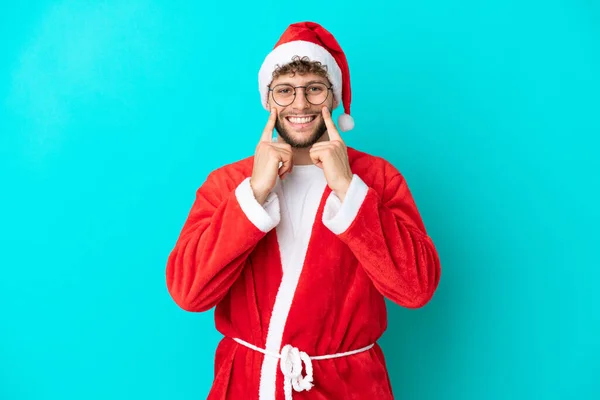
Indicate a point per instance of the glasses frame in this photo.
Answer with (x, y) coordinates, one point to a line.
(296, 91)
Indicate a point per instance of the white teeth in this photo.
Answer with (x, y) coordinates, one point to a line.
(296, 120)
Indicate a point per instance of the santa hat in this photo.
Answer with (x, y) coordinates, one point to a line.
(313, 41)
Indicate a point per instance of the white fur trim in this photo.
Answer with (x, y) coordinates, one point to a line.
(283, 54)
(345, 122)
(264, 217)
(337, 215)
(293, 250)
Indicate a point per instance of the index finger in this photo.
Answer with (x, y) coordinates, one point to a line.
(331, 129)
(268, 132)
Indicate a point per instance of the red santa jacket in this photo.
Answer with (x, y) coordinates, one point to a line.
(323, 296)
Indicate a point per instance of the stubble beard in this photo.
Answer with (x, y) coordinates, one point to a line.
(318, 131)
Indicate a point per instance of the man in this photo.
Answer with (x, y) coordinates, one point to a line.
(298, 245)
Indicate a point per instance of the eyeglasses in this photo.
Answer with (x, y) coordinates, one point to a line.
(315, 93)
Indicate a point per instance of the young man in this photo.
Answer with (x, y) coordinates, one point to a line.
(298, 245)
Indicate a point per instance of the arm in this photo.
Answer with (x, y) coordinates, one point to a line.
(220, 232)
(388, 238)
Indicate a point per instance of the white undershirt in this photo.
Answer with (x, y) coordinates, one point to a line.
(304, 183)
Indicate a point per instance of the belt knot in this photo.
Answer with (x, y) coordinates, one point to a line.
(291, 367)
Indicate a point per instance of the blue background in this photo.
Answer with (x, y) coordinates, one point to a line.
(114, 112)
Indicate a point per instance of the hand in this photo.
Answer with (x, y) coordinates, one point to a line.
(267, 157)
(332, 157)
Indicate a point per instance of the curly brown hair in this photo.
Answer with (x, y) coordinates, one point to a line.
(301, 66)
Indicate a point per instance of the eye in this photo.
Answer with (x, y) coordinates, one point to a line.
(284, 90)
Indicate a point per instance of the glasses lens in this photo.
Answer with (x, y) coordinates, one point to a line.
(283, 94)
(316, 93)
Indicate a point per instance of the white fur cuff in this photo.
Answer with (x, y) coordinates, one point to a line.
(338, 216)
(264, 217)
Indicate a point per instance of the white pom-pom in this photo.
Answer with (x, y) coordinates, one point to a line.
(345, 122)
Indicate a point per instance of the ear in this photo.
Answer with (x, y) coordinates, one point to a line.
(268, 96)
(335, 104)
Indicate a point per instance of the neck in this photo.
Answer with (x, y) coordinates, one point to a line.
(301, 156)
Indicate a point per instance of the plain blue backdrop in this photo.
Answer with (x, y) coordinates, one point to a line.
(114, 112)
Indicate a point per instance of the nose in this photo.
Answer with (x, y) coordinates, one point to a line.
(300, 100)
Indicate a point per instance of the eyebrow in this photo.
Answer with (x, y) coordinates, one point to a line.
(305, 84)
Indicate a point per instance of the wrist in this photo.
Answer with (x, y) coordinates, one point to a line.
(341, 192)
(259, 195)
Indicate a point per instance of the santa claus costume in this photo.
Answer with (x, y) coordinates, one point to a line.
(299, 282)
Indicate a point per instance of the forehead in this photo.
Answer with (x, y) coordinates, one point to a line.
(299, 79)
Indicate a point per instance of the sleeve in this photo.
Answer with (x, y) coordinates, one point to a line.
(388, 237)
(220, 232)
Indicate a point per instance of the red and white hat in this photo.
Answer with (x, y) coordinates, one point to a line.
(315, 42)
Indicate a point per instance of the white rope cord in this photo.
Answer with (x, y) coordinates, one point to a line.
(291, 365)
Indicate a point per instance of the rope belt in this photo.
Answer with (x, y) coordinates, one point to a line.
(291, 365)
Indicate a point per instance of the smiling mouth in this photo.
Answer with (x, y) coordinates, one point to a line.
(302, 121)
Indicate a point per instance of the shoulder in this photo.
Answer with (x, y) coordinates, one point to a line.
(374, 170)
(228, 176)
(381, 176)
